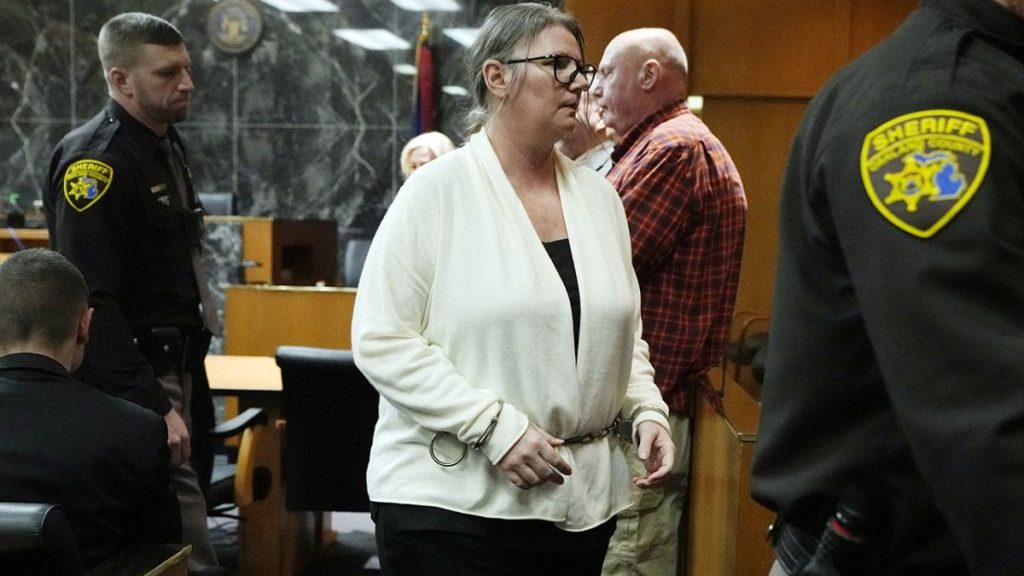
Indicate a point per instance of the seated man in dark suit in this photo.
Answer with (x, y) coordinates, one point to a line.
(105, 460)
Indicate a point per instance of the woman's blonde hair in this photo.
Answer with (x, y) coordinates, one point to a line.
(436, 142)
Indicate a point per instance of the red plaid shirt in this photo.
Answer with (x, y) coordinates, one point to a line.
(686, 209)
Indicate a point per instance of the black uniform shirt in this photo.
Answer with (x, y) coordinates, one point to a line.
(112, 209)
(897, 339)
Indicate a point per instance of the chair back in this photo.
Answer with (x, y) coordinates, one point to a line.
(330, 410)
(218, 203)
(37, 539)
(355, 257)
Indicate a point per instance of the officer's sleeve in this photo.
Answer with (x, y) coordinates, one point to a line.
(92, 203)
(945, 315)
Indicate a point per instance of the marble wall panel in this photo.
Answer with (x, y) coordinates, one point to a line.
(305, 125)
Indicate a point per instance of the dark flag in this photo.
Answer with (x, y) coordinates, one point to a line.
(423, 89)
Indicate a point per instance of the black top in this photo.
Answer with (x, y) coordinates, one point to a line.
(895, 358)
(561, 255)
(113, 209)
(103, 459)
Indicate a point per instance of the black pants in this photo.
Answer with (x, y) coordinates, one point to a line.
(424, 541)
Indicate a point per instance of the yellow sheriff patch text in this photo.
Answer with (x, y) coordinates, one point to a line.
(85, 182)
(920, 169)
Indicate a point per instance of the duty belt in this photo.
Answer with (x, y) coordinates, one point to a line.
(793, 547)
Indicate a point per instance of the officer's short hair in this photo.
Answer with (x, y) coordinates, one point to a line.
(121, 36)
(42, 296)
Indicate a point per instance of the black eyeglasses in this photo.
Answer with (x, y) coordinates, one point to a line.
(566, 68)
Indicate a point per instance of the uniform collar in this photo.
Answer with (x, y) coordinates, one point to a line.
(985, 16)
(634, 134)
(137, 131)
(30, 361)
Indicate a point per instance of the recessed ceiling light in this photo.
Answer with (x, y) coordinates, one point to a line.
(696, 103)
(464, 36)
(373, 38)
(455, 90)
(428, 5)
(302, 5)
(404, 69)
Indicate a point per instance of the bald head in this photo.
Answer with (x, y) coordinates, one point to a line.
(654, 44)
(641, 71)
(1017, 6)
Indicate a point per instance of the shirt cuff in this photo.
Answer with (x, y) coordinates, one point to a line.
(509, 428)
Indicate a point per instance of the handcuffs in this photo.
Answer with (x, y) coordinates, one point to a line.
(622, 429)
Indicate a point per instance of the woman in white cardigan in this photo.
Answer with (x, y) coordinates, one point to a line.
(498, 316)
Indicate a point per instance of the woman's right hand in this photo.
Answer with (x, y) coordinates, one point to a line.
(533, 460)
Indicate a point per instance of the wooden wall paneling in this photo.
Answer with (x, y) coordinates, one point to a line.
(873, 20)
(602, 20)
(758, 133)
(771, 48)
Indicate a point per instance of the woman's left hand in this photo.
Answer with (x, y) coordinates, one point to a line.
(534, 460)
(657, 451)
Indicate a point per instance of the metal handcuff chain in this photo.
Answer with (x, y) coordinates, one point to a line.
(623, 429)
(465, 447)
(438, 461)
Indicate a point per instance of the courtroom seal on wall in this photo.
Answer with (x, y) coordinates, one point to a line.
(234, 26)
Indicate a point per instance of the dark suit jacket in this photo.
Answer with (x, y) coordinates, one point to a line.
(104, 459)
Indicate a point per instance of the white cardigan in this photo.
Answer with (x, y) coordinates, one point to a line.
(459, 306)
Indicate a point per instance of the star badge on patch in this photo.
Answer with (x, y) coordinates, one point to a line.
(85, 182)
(921, 169)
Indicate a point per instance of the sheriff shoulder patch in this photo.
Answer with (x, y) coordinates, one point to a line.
(85, 182)
(921, 169)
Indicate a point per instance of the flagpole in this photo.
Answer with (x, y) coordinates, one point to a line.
(425, 28)
(422, 94)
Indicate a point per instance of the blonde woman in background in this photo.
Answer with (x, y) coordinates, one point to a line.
(422, 149)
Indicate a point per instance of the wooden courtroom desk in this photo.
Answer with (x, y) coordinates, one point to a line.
(14, 239)
(147, 560)
(268, 537)
(259, 318)
(727, 533)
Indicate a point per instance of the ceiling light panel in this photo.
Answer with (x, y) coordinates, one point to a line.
(428, 5)
(302, 5)
(373, 38)
(464, 36)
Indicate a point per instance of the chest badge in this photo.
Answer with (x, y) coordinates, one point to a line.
(85, 182)
(921, 169)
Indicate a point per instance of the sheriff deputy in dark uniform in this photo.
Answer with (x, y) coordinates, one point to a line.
(893, 406)
(121, 207)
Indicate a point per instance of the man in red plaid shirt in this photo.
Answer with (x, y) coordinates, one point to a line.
(686, 211)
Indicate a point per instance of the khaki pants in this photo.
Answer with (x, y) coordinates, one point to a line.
(648, 540)
(185, 483)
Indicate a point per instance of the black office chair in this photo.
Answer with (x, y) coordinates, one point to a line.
(330, 411)
(218, 203)
(748, 333)
(37, 539)
(239, 481)
(355, 257)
